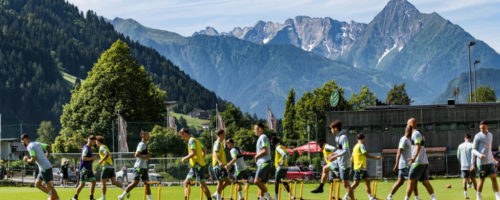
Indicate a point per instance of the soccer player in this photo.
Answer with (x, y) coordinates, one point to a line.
(359, 155)
(281, 165)
(419, 164)
(241, 171)
(464, 155)
(332, 165)
(36, 152)
(85, 168)
(401, 166)
(481, 148)
(108, 170)
(219, 164)
(196, 163)
(263, 160)
(342, 155)
(142, 155)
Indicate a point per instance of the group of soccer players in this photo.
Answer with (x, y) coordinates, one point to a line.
(411, 163)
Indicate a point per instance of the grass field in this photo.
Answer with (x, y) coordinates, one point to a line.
(197, 123)
(176, 192)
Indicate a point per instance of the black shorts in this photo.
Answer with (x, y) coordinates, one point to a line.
(333, 174)
(360, 174)
(141, 174)
(242, 175)
(45, 175)
(419, 172)
(468, 174)
(65, 175)
(86, 175)
(280, 174)
(197, 173)
(403, 173)
(345, 174)
(108, 173)
(484, 171)
(220, 173)
(263, 171)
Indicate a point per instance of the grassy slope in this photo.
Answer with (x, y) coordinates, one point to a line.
(176, 192)
(197, 123)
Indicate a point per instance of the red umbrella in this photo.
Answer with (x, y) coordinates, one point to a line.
(309, 147)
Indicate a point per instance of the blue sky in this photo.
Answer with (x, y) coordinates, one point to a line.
(481, 18)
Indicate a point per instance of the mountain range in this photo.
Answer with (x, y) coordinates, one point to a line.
(486, 77)
(400, 39)
(257, 65)
(252, 75)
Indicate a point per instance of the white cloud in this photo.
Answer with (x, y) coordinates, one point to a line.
(188, 16)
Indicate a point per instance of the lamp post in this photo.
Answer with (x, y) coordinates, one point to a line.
(472, 43)
(475, 80)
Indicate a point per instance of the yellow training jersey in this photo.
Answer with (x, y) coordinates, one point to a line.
(327, 150)
(103, 149)
(278, 157)
(195, 144)
(219, 151)
(358, 156)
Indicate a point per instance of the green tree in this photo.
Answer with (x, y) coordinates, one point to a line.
(164, 141)
(314, 105)
(289, 117)
(116, 83)
(46, 133)
(365, 98)
(398, 96)
(484, 94)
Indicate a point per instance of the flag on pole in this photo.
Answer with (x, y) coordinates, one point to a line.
(172, 123)
(271, 121)
(122, 134)
(220, 122)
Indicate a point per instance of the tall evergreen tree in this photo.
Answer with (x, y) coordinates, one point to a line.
(116, 83)
(289, 117)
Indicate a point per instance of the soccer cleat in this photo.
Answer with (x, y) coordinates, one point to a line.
(388, 198)
(317, 190)
(120, 197)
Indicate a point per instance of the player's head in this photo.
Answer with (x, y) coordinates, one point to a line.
(144, 136)
(229, 143)
(321, 142)
(335, 127)
(412, 122)
(184, 134)
(467, 137)
(275, 141)
(408, 131)
(258, 129)
(25, 139)
(361, 137)
(91, 140)
(99, 140)
(483, 126)
(221, 134)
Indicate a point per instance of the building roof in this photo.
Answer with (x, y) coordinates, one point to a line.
(427, 149)
(410, 107)
(9, 139)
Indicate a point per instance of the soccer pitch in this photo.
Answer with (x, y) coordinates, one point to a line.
(177, 192)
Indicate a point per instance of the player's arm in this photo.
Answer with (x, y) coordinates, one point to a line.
(345, 147)
(475, 149)
(192, 151)
(234, 157)
(364, 152)
(398, 156)
(417, 151)
(106, 155)
(138, 154)
(216, 149)
(32, 155)
(84, 155)
(283, 156)
(265, 148)
(458, 154)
